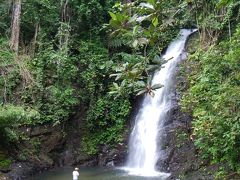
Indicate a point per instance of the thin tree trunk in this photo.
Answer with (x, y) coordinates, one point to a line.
(34, 41)
(65, 19)
(5, 86)
(16, 13)
(65, 16)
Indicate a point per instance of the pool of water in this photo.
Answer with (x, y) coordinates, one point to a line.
(91, 174)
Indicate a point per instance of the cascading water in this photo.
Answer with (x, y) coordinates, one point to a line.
(145, 136)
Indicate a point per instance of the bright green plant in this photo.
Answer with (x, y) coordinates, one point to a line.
(4, 161)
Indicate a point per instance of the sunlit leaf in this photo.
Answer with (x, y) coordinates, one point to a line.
(116, 85)
(113, 16)
(155, 21)
(142, 18)
(135, 43)
(146, 5)
(143, 40)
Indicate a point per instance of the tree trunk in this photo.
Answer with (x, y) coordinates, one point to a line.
(2, 72)
(65, 25)
(34, 41)
(15, 27)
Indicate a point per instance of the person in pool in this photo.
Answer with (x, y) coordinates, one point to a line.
(75, 174)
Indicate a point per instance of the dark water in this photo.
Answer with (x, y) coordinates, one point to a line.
(90, 174)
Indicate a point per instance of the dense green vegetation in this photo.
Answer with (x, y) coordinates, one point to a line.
(62, 63)
(213, 98)
(94, 54)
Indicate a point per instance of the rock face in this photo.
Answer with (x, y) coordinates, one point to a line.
(179, 155)
(111, 157)
(36, 151)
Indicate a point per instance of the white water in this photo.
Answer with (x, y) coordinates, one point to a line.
(146, 134)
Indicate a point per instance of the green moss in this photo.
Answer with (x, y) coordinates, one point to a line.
(4, 160)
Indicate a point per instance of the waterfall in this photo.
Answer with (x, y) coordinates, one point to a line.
(146, 134)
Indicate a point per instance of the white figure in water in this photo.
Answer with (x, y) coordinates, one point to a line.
(75, 174)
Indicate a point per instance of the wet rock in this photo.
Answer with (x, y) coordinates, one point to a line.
(22, 170)
(110, 156)
(110, 164)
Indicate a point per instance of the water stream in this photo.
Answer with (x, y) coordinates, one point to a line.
(145, 139)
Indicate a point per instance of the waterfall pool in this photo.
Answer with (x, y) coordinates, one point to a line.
(91, 174)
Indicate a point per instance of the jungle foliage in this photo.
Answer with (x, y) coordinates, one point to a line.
(99, 54)
(213, 95)
(213, 99)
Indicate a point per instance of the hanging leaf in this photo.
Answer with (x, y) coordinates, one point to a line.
(152, 68)
(118, 77)
(113, 16)
(141, 92)
(102, 66)
(135, 30)
(156, 86)
(156, 59)
(146, 5)
(140, 83)
(143, 41)
(155, 21)
(135, 43)
(142, 18)
(112, 75)
(133, 18)
(151, 93)
(116, 85)
(149, 80)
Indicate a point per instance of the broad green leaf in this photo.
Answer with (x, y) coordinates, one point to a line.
(113, 16)
(155, 21)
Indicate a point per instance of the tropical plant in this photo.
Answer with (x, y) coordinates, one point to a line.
(213, 99)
